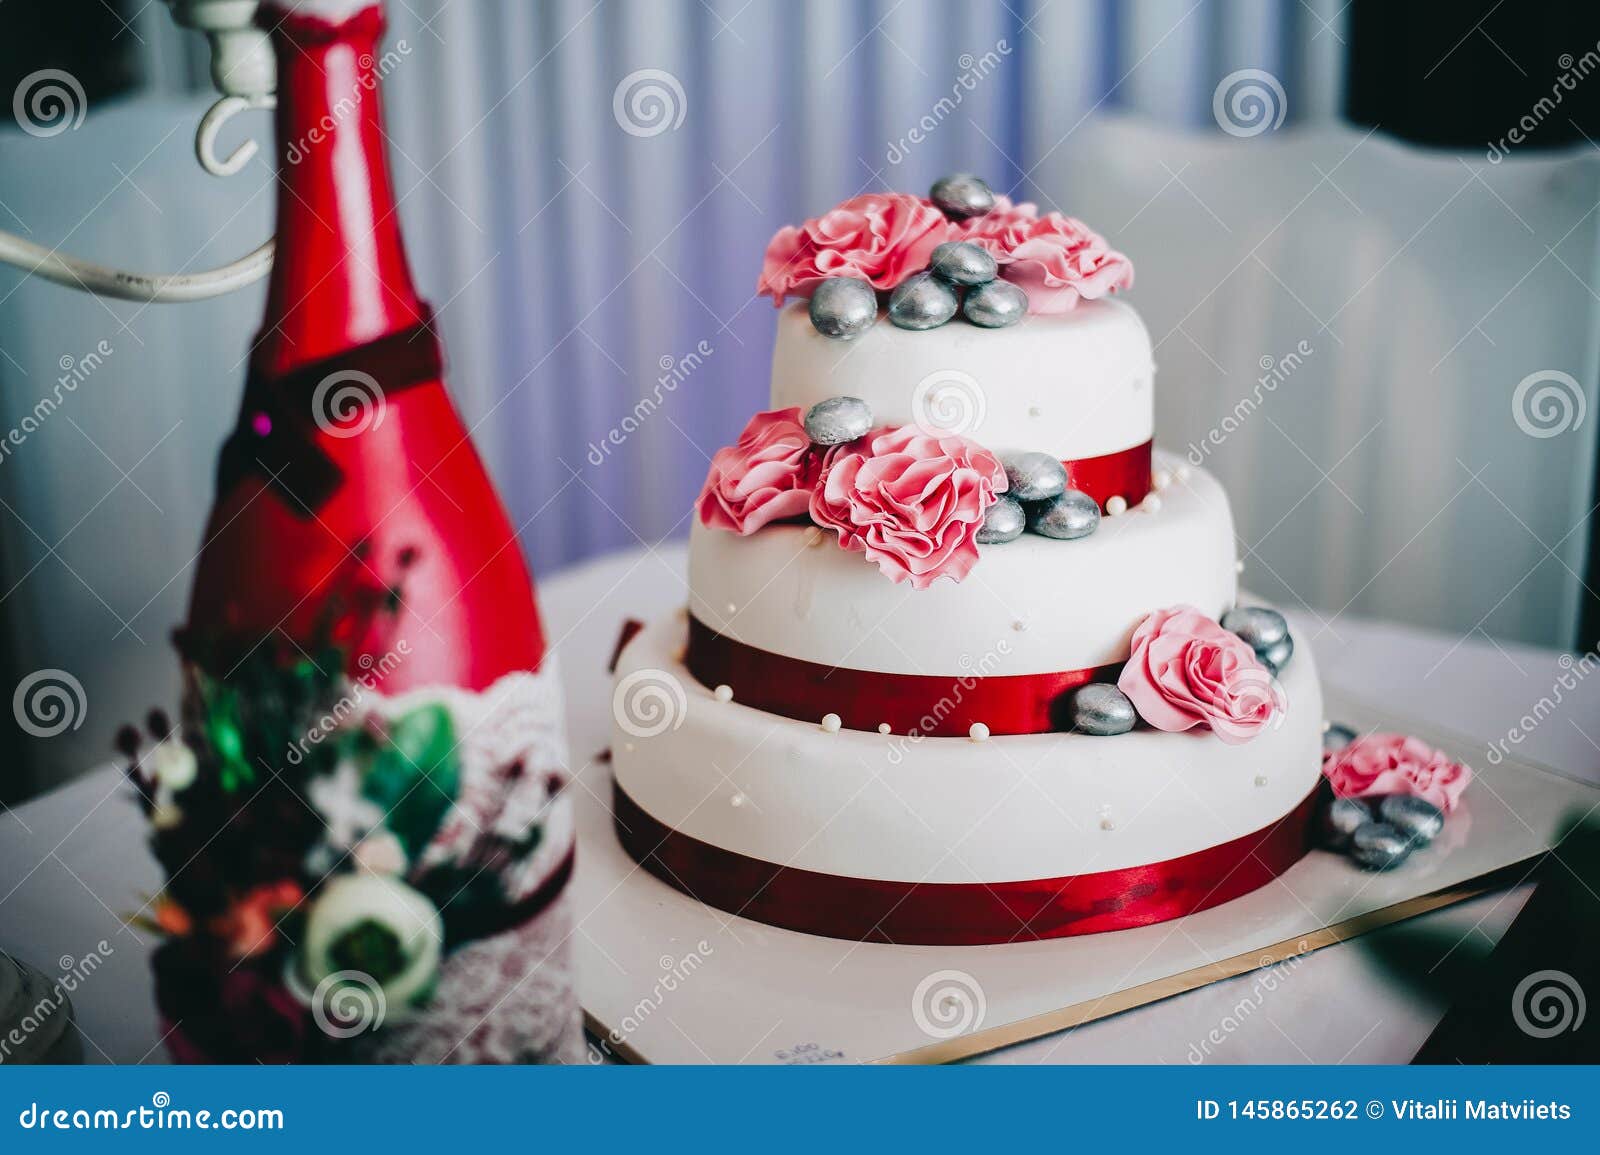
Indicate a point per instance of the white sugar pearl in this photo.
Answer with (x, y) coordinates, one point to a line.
(737, 800)
(831, 723)
(1019, 625)
(883, 727)
(732, 609)
(1107, 824)
(978, 732)
(724, 693)
(1117, 505)
(1261, 779)
(1034, 411)
(1161, 479)
(1326, 725)
(628, 746)
(1183, 473)
(813, 536)
(1151, 504)
(1238, 566)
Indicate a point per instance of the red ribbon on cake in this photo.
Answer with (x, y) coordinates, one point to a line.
(931, 705)
(1124, 474)
(957, 913)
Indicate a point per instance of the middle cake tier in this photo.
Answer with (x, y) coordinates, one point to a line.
(1030, 606)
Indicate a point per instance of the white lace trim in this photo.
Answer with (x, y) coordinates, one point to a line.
(512, 749)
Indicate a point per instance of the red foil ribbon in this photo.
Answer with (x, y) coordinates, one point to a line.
(958, 913)
(1125, 474)
(931, 705)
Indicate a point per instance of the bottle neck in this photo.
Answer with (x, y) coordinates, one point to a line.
(340, 277)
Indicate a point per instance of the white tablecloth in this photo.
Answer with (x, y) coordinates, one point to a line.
(73, 862)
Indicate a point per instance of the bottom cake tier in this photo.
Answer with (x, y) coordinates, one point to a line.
(888, 837)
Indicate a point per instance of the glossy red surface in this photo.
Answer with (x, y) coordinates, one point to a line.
(411, 481)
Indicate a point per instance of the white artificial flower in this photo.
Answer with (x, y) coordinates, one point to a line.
(172, 764)
(381, 853)
(338, 798)
(349, 902)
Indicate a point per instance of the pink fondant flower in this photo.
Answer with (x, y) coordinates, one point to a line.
(913, 503)
(1186, 670)
(1056, 259)
(766, 476)
(1396, 764)
(878, 237)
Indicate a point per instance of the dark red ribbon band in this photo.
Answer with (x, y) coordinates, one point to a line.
(961, 914)
(1124, 474)
(931, 705)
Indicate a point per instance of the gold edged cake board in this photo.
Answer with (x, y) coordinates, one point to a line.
(666, 979)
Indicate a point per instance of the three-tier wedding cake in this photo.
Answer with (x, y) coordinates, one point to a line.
(964, 659)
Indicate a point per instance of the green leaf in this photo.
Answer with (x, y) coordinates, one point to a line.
(414, 776)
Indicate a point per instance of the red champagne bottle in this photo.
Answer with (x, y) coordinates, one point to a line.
(350, 465)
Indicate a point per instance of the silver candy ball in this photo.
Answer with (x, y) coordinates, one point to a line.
(963, 263)
(1336, 737)
(1004, 522)
(1416, 818)
(1035, 476)
(1276, 656)
(837, 420)
(961, 195)
(843, 307)
(1101, 709)
(1065, 517)
(1379, 846)
(922, 301)
(995, 305)
(1340, 819)
(1257, 625)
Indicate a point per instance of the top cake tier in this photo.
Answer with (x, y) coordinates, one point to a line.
(1074, 385)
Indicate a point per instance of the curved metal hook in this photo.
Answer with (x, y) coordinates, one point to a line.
(205, 137)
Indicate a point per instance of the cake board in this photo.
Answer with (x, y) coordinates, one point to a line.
(667, 979)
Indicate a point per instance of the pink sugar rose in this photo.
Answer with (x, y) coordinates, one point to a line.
(913, 503)
(1056, 259)
(1186, 670)
(878, 237)
(1396, 764)
(766, 476)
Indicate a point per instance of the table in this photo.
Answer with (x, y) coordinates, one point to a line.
(73, 862)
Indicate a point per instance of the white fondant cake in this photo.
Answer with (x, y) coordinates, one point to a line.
(888, 712)
(885, 806)
(1075, 385)
(787, 589)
